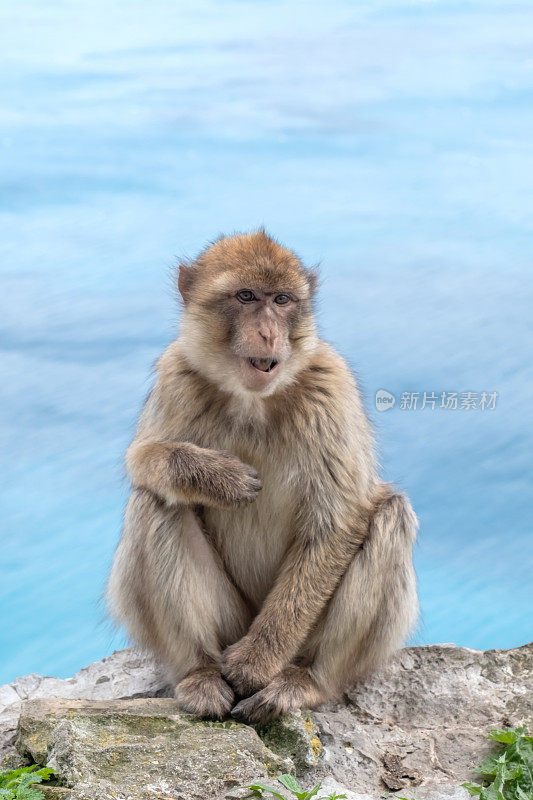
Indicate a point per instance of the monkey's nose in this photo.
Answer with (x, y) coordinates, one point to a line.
(270, 338)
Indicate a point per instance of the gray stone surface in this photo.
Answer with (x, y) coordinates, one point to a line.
(124, 674)
(417, 728)
(420, 726)
(141, 749)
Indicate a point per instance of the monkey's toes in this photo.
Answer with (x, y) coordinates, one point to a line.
(291, 689)
(260, 707)
(205, 693)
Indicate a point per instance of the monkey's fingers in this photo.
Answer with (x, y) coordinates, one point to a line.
(228, 482)
(253, 485)
(247, 485)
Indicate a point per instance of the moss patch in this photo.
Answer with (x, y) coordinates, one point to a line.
(295, 738)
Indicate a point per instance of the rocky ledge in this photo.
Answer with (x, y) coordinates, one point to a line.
(419, 726)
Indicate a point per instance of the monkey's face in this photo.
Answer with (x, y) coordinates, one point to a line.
(248, 326)
(262, 323)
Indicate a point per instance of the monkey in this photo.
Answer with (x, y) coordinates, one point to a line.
(262, 558)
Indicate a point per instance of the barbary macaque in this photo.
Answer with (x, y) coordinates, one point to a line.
(262, 558)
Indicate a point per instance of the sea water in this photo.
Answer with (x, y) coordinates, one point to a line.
(391, 142)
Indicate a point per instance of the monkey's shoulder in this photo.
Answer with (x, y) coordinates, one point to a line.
(324, 400)
(172, 364)
(176, 378)
(327, 376)
(177, 394)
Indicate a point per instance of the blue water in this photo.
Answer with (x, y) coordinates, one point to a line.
(389, 140)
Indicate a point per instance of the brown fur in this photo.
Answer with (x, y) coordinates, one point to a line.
(259, 543)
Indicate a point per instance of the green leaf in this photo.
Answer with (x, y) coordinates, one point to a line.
(18, 784)
(28, 793)
(27, 779)
(472, 788)
(334, 796)
(44, 773)
(490, 765)
(262, 787)
(290, 782)
(506, 735)
(524, 751)
(397, 796)
(312, 792)
(492, 792)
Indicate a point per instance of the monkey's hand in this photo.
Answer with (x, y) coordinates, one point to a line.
(248, 667)
(225, 481)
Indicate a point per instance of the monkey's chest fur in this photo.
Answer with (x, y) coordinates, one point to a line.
(252, 539)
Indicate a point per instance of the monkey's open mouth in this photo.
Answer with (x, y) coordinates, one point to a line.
(263, 364)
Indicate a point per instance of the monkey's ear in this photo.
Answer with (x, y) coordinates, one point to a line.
(185, 280)
(313, 278)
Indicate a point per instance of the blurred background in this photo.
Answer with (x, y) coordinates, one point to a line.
(388, 140)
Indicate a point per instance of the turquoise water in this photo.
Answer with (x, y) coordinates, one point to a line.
(389, 140)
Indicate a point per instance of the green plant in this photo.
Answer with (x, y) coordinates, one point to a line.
(396, 796)
(17, 784)
(290, 783)
(511, 769)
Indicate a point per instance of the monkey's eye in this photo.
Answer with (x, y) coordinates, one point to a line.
(246, 296)
(281, 299)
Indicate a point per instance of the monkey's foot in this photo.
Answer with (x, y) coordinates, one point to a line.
(205, 693)
(290, 690)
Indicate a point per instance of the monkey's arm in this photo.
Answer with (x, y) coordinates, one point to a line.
(326, 540)
(178, 471)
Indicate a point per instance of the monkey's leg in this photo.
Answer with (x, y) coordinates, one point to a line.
(376, 604)
(169, 588)
(368, 617)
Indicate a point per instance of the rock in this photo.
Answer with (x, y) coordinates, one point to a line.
(141, 749)
(418, 727)
(124, 674)
(55, 792)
